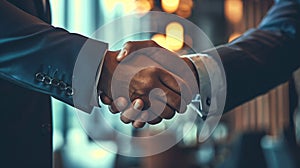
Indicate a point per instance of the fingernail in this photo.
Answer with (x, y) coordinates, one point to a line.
(138, 124)
(122, 54)
(137, 105)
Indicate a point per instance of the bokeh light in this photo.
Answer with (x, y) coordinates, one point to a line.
(234, 10)
(234, 36)
(129, 6)
(170, 6)
(185, 8)
(143, 6)
(174, 36)
(160, 39)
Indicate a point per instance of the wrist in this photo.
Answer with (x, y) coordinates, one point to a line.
(108, 67)
(192, 67)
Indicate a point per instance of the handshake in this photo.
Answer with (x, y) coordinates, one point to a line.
(146, 83)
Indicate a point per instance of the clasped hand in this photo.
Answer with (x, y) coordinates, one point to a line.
(146, 83)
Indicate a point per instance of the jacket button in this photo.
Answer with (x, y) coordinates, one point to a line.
(62, 85)
(48, 80)
(55, 82)
(40, 77)
(69, 91)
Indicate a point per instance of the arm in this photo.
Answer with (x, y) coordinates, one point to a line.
(151, 66)
(256, 62)
(33, 53)
(264, 57)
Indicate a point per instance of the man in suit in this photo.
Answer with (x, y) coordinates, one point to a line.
(38, 60)
(35, 58)
(256, 62)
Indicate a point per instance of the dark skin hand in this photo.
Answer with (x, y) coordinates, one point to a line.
(159, 76)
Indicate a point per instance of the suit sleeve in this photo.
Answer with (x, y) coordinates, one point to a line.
(40, 57)
(264, 57)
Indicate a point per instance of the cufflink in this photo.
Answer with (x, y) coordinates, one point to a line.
(208, 101)
(198, 106)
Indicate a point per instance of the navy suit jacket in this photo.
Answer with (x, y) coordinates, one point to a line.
(263, 57)
(26, 114)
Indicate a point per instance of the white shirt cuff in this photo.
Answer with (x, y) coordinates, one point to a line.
(86, 75)
(209, 78)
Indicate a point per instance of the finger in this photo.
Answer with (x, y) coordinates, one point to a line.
(162, 109)
(123, 53)
(173, 99)
(141, 120)
(105, 99)
(131, 113)
(153, 118)
(118, 105)
(175, 84)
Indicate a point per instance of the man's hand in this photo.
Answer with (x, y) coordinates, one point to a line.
(166, 74)
(108, 68)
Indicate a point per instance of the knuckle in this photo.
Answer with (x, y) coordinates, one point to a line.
(155, 121)
(168, 114)
(111, 109)
(138, 124)
(128, 44)
(152, 69)
(125, 120)
(183, 109)
(152, 43)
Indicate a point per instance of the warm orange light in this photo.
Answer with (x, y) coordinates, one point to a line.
(174, 36)
(234, 36)
(109, 5)
(160, 39)
(129, 6)
(170, 6)
(187, 2)
(184, 10)
(234, 10)
(143, 6)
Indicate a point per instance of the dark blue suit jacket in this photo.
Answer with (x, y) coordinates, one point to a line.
(263, 57)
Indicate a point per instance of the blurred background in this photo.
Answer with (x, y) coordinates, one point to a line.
(264, 132)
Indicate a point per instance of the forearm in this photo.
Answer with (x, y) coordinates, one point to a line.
(260, 59)
(29, 47)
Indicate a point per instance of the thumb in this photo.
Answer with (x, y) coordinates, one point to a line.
(122, 55)
(132, 46)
